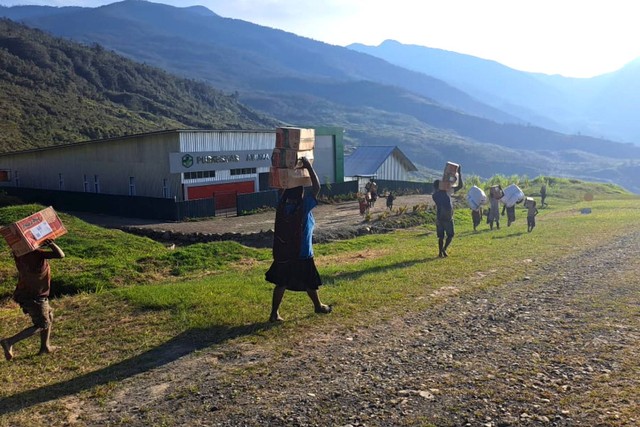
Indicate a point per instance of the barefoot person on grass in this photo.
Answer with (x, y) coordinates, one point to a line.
(293, 267)
(444, 214)
(32, 293)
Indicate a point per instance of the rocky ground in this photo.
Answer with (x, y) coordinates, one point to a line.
(556, 348)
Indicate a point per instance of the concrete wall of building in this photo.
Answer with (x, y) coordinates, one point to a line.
(136, 164)
(165, 164)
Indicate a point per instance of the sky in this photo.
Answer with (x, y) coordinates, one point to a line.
(573, 38)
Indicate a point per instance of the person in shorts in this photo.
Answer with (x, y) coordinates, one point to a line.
(444, 214)
(32, 294)
(390, 199)
(293, 266)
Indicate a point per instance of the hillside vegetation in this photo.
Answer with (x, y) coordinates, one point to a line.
(54, 92)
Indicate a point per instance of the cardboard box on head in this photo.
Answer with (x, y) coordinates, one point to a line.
(450, 173)
(295, 138)
(288, 158)
(289, 178)
(29, 233)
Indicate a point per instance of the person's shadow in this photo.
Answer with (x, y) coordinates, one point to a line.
(179, 346)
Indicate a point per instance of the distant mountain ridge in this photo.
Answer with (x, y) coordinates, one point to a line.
(304, 82)
(604, 105)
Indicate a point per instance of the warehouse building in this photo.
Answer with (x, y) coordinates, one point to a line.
(379, 162)
(181, 165)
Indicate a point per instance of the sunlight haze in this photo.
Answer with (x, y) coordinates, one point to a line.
(574, 38)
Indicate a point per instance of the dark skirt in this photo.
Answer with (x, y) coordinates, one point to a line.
(296, 275)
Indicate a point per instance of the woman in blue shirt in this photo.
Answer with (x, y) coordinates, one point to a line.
(293, 265)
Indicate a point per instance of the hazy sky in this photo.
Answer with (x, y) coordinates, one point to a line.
(575, 38)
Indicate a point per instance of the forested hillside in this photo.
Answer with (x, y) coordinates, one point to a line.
(54, 91)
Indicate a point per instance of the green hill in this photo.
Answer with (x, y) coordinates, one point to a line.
(54, 91)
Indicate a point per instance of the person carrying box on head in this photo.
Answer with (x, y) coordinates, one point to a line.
(444, 213)
(293, 266)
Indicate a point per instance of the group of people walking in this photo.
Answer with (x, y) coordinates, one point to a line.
(444, 212)
(293, 267)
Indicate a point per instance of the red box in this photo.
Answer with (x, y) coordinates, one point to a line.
(295, 138)
(29, 233)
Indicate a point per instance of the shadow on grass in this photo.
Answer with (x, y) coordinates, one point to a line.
(179, 346)
(506, 236)
(352, 275)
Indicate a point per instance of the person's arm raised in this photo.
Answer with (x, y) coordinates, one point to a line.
(315, 182)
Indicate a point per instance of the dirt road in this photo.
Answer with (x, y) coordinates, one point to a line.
(327, 216)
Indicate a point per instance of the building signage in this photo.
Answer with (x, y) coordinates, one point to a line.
(218, 160)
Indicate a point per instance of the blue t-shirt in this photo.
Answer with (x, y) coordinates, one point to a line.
(306, 245)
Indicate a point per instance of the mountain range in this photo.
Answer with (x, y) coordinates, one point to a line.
(435, 105)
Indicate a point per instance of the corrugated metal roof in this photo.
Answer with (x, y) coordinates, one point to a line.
(365, 161)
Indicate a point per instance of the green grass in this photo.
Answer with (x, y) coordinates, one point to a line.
(150, 299)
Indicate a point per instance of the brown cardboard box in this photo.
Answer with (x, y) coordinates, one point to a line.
(450, 174)
(295, 138)
(289, 178)
(29, 233)
(287, 158)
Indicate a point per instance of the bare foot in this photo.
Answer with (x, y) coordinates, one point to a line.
(47, 350)
(275, 319)
(8, 350)
(324, 309)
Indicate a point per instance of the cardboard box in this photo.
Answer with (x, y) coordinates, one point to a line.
(450, 174)
(289, 178)
(295, 138)
(29, 233)
(287, 158)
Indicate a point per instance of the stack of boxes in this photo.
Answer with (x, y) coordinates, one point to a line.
(286, 168)
(31, 232)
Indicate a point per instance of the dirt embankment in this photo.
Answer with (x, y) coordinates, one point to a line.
(333, 222)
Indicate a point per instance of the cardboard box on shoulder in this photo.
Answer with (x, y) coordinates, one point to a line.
(295, 138)
(31, 232)
(287, 158)
(289, 178)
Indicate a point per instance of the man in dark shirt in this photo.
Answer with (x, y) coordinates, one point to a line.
(444, 214)
(32, 293)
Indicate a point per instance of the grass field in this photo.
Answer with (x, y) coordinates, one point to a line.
(128, 303)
